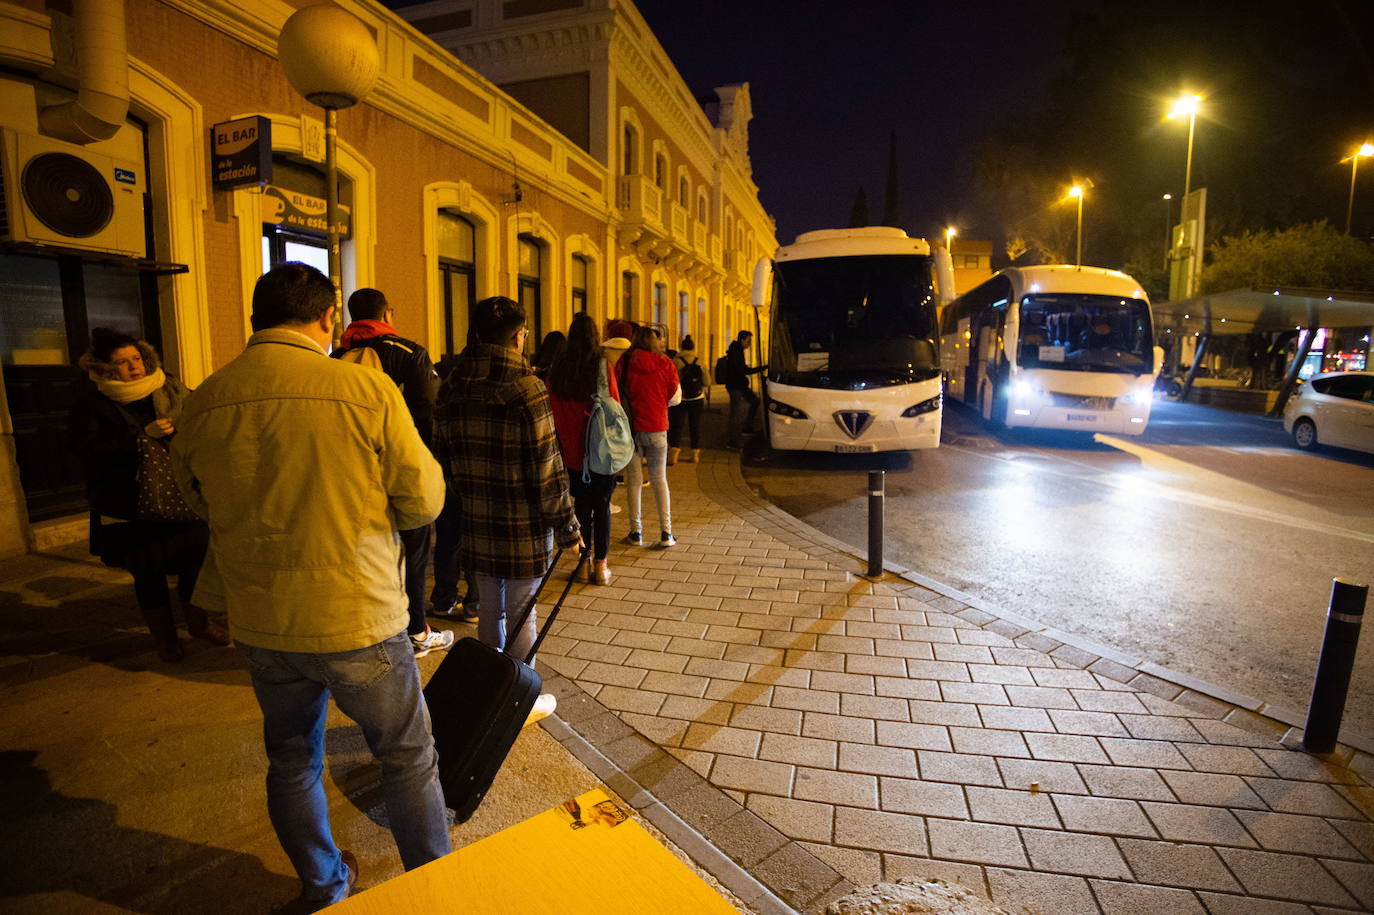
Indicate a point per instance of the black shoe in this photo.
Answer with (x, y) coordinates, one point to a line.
(444, 610)
(470, 612)
(634, 538)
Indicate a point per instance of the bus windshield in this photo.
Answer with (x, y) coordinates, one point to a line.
(1091, 333)
(854, 322)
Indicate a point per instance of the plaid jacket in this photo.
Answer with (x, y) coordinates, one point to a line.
(494, 437)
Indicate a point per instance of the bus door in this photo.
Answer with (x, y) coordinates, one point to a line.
(985, 337)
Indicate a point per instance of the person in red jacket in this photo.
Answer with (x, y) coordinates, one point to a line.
(573, 379)
(648, 386)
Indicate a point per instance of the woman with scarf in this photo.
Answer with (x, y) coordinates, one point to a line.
(131, 400)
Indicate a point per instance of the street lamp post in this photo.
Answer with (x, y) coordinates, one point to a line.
(331, 59)
(1077, 191)
(1168, 227)
(1187, 104)
(1366, 149)
(950, 232)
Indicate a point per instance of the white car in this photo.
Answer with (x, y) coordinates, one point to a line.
(1333, 408)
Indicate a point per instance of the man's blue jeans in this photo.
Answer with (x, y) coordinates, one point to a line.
(502, 602)
(379, 688)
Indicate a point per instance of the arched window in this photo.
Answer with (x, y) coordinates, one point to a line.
(684, 313)
(629, 141)
(457, 277)
(660, 316)
(579, 284)
(683, 192)
(531, 293)
(701, 207)
(661, 171)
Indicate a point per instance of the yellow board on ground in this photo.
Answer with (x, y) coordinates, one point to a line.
(587, 855)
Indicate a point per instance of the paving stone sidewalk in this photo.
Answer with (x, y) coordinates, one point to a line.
(823, 731)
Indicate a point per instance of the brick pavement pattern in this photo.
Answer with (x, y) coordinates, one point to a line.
(829, 731)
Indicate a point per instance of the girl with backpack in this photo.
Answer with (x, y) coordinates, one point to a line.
(648, 383)
(691, 378)
(572, 382)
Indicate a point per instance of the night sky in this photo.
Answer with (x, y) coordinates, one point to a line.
(830, 81)
(1081, 84)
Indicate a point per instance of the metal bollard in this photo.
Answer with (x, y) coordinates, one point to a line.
(875, 523)
(1334, 665)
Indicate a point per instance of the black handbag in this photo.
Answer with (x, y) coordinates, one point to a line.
(159, 499)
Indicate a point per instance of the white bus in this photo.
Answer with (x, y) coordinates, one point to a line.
(853, 358)
(1053, 348)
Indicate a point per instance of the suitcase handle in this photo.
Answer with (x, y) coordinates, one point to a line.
(524, 615)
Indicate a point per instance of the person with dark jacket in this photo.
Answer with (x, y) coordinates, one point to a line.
(371, 340)
(737, 372)
(129, 399)
(648, 386)
(495, 439)
(691, 378)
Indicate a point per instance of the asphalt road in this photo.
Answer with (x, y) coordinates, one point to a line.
(1206, 545)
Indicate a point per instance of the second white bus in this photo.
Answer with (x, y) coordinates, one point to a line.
(1053, 347)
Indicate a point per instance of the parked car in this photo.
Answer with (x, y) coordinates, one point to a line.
(1333, 408)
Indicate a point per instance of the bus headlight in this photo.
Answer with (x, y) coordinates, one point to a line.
(925, 406)
(1021, 389)
(782, 409)
(1138, 398)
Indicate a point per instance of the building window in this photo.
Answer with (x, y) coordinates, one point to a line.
(660, 171)
(529, 283)
(627, 296)
(280, 245)
(683, 192)
(970, 262)
(457, 278)
(660, 316)
(579, 284)
(630, 149)
(684, 314)
(701, 208)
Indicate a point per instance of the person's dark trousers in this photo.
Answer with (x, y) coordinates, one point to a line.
(448, 531)
(687, 413)
(592, 505)
(738, 398)
(415, 543)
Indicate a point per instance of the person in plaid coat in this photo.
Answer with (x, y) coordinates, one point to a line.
(495, 438)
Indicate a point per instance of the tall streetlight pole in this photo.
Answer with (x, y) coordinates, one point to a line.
(330, 58)
(1366, 149)
(950, 232)
(1077, 191)
(1168, 227)
(1187, 104)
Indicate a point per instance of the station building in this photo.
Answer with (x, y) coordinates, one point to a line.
(559, 159)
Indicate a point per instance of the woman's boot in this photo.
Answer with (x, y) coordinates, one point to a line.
(695, 457)
(672, 455)
(601, 573)
(199, 624)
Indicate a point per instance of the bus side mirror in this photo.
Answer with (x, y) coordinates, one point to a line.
(1159, 358)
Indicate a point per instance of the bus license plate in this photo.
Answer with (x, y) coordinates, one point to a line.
(1081, 418)
(854, 449)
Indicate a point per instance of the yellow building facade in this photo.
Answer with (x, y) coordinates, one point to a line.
(454, 189)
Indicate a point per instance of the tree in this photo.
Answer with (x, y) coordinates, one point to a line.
(1313, 255)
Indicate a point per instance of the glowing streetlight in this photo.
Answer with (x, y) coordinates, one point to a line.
(1366, 149)
(1187, 104)
(1078, 192)
(950, 232)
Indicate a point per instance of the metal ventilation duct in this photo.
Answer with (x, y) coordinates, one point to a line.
(102, 66)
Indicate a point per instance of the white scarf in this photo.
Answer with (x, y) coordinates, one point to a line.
(122, 392)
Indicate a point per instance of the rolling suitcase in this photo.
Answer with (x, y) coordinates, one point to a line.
(478, 700)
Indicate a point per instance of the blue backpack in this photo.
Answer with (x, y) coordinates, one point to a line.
(610, 440)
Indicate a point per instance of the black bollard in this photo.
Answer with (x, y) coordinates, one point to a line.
(1337, 659)
(875, 523)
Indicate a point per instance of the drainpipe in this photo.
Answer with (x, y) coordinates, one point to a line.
(102, 67)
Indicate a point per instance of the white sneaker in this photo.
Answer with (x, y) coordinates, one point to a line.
(543, 708)
(431, 640)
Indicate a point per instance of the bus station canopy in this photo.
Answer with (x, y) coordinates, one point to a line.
(1271, 310)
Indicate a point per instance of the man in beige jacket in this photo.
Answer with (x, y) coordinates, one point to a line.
(305, 468)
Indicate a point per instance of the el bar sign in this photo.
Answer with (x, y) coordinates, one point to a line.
(241, 152)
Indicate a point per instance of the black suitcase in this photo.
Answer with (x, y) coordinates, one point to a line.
(478, 701)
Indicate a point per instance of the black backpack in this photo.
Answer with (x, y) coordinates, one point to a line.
(722, 370)
(692, 380)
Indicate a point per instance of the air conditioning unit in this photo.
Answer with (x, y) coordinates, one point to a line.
(56, 193)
